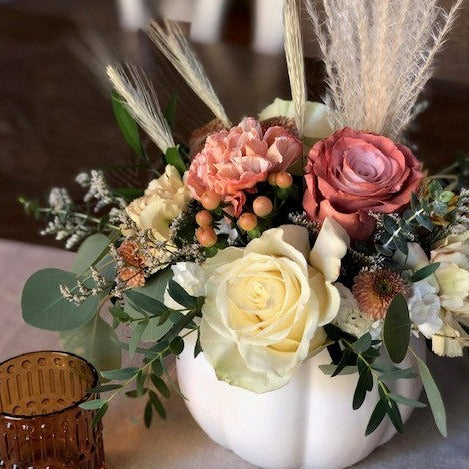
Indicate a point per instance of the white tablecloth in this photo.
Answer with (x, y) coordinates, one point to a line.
(178, 443)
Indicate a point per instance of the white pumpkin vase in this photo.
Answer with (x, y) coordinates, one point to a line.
(307, 424)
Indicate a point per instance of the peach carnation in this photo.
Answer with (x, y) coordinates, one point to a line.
(233, 161)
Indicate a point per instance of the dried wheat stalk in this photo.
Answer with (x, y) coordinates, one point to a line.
(295, 60)
(171, 41)
(378, 56)
(139, 97)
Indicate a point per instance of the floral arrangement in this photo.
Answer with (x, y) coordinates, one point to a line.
(308, 227)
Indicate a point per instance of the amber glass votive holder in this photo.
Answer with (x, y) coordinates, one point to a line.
(41, 423)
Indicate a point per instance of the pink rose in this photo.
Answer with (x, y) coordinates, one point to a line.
(233, 162)
(352, 173)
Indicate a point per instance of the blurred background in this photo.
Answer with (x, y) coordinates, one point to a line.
(56, 118)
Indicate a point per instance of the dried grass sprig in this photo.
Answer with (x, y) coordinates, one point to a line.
(172, 42)
(139, 97)
(378, 56)
(295, 60)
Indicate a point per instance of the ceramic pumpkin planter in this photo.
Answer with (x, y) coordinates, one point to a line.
(308, 424)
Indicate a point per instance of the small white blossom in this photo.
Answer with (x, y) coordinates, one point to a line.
(351, 320)
(191, 277)
(424, 306)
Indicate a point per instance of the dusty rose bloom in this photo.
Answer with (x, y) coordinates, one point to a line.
(233, 161)
(351, 173)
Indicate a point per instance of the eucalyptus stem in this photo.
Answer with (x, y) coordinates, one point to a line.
(145, 368)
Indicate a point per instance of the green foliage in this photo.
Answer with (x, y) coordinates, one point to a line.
(174, 158)
(94, 341)
(398, 230)
(396, 329)
(90, 251)
(362, 355)
(424, 272)
(170, 111)
(434, 397)
(169, 342)
(154, 289)
(120, 374)
(127, 125)
(93, 405)
(44, 306)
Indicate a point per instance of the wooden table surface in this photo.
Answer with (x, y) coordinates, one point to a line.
(55, 121)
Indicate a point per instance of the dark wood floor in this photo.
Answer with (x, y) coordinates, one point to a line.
(54, 120)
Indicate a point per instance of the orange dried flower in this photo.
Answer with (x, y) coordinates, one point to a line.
(130, 254)
(375, 290)
(132, 277)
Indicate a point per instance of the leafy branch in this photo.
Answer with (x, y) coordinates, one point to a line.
(153, 369)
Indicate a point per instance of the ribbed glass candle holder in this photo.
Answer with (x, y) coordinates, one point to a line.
(41, 423)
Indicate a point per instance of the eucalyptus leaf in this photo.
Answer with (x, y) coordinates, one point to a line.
(137, 336)
(94, 341)
(180, 296)
(424, 272)
(362, 344)
(395, 416)
(93, 405)
(89, 251)
(177, 345)
(44, 306)
(160, 385)
(104, 388)
(434, 397)
(154, 399)
(121, 374)
(154, 288)
(344, 361)
(406, 373)
(99, 414)
(330, 368)
(406, 401)
(396, 329)
(364, 384)
(148, 414)
(146, 303)
(377, 416)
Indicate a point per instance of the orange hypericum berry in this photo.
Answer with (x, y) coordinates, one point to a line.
(273, 179)
(204, 218)
(247, 221)
(206, 236)
(262, 206)
(284, 180)
(210, 200)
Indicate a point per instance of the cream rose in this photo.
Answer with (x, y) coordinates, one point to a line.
(316, 122)
(264, 304)
(453, 274)
(165, 198)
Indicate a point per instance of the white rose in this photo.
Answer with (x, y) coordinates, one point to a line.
(191, 277)
(316, 123)
(453, 274)
(165, 198)
(264, 304)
